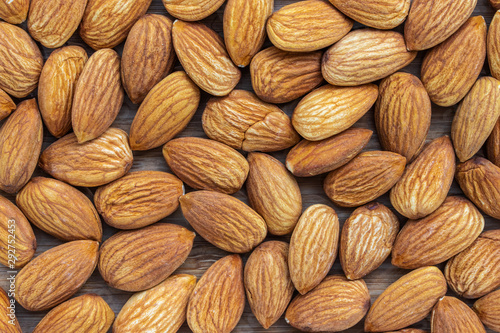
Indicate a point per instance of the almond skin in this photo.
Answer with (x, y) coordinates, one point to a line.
(148, 55)
(16, 12)
(159, 309)
(450, 69)
(306, 26)
(313, 247)
(223, 220)
(336, 304)
(138, 199)
(268, 285)
(493, 145)
(206, 164)
(311, 158)
(406, 301)
(434, 239)
(210, 67)
(59, 209)
(409, 330)
(378, 55)
(21, 137)
(362, 179)
(495, 4)
(57, 87)
(367, 239)
(223, 282)
(329, 110)
(452, 315)
(402, 114)
(7, 325)
(274, 193)
(6, 105)
(140, 259)
(56, 274)
(192, 10)
(165, 112)
(493, 45)
(88, 312)
(92, 163)
(488, 310)
(426, 181)
(280, 77)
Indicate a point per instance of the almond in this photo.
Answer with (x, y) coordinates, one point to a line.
(378, 54)
(192, 10)
(8, 319)
(57, 87)
(406, 301)
(434, 239)
(367, 239)
(165, 112)
(148, 55)
(495, 4)
(306, 26)
(98, 95)
(222, 282)
(450, 69)
(452, 315)
(493, 45)
(362, 179)
(409, 330)
(268, 285)
(203, 56)
(206, 164)
(402, 114)
(488, 310)
(6, 105)
(280, 77)
(21, 137)
(140, 259)
(242, 121)
(493, 145)
(159, 309)
(88, 312)
(329, 110)
(336, 304)
(59, 209)
(426, 181)
(56, 274)
(274, 193)
(138, 199)
(223, 220)
(313, 247)
(15, 11)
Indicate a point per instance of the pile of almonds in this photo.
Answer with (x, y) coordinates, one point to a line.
(360, 48)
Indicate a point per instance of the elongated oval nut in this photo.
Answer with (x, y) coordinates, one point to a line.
(488, 310)
(452, 315)
(192, 10)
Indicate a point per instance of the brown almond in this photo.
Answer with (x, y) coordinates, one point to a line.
(493, 145)
(15, 12)
(409, 330)
(495, 4)
(192, 10)
(6, 105)
(488, 310)
(493, 45)
(451, 315)
(8, 319)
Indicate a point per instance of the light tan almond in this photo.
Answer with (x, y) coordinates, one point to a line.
(493, 145)
(493, 45)
(8, 319)
(14, 11)
(192, 10)
(488, 310)
(6, 105)
(451, 315)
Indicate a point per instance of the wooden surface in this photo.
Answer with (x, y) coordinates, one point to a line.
(204, 254)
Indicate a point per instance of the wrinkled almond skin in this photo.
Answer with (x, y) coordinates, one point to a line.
(57, 87)
(223, 282)
(493, 145)
(223, 220)
(106, 23)
(476, 117)
(192, 10)
(495, 4)
(378, 55)
(450, 69)
(98, 95)
(274, 193)
(203, 56)
(451, 315)
(60, 210)
(148, 55)
(488, 310)
(92, 163)
(138, 199)
(21, 137)
(362, 179)
(206, 164)
(409, 330)
(56, 274)
(268, 285)
(434, 239)
(402, 114)
(336, 304)
(406, 301)
(242, 121)
(20, 61)
(426, 181)
(7, 325)
(7, 105)
(280, 77)
(329, 110)
(366, 240)
(313, 247)
(140, 259)
(165, 112)
(306, 26)
(493, 45)
(88, 313)
(14, 11)
(431, 22)
(159, 309)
